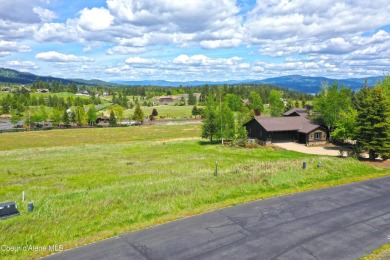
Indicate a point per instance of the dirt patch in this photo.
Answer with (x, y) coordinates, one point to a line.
(377, 163)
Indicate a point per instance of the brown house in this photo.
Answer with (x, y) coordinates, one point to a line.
(295, 126)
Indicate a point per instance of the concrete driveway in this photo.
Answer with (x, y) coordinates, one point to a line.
(321, 150)
(343, 222)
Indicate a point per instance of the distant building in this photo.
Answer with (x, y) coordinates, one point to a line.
(44, 90)
(82, 93)
(166, 99)
(6, 89)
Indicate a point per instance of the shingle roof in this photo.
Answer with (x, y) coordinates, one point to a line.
(293, 123)
(296, 110)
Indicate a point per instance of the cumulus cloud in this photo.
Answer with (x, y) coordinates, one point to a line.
(186, 16)
(11, 46)
(137, 23)
(95, 19)
(53, 56)
(56, 32)
(322, 19)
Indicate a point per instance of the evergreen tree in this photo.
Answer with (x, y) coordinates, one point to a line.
(210, 123)
(195, 111)
(373, 122)
(112, 120)
(138, 113)
(154, 112)
(191, 99)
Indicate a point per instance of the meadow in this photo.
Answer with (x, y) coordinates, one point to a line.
(166, 111)
(91, 184)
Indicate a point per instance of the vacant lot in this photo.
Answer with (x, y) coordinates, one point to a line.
(90, 184)
(166, 111)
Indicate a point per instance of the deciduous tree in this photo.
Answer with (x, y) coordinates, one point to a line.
(276, 103)
(256, 103)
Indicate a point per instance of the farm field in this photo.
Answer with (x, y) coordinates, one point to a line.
(91, 184)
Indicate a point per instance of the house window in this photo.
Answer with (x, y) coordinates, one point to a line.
(318, 136)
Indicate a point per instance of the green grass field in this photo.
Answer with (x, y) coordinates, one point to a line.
(91, 184)
(166, 111)
(61, 94)
(3, 93)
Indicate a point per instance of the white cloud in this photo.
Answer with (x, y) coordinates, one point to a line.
(12, 46)
(140, 61)
(22, 64)
(53, 56)
(122, 50)
(216, 44)
(45, 14)
(56, 32)
(322, 19)
(202, 60)
(95, 19)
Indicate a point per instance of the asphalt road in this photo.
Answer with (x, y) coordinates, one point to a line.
(344, 222)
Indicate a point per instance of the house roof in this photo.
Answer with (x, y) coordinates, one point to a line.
(294, 123)
(299, 111)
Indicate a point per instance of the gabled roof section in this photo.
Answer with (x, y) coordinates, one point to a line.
(296, 111)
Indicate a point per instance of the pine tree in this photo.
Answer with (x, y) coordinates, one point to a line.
(138, 113)
(373, 122)
(210, 124)
(191, 99)
(154, 112)
(112, 120)
(195, 111)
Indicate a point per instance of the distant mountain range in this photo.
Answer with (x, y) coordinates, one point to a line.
(17, 77)
(293, 82)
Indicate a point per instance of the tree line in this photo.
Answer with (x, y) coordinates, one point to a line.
(363, 116)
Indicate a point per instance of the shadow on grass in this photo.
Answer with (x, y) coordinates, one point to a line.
(202, 142)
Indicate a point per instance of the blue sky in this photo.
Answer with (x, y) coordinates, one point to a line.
(195, 39)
